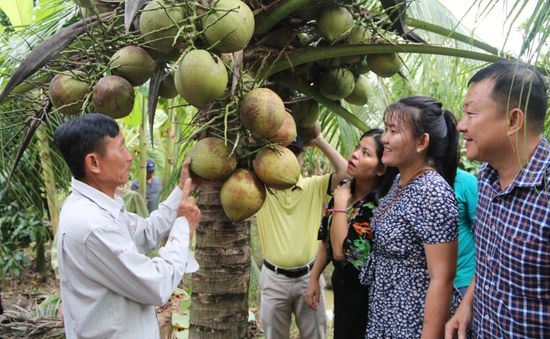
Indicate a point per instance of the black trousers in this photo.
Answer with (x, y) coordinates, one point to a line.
(350, 303)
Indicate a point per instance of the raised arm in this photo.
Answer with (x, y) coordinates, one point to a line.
(338, 161)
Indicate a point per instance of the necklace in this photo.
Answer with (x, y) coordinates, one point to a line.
(401, 189)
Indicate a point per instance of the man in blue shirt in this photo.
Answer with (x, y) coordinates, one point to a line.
(504, 114)
(153, 187)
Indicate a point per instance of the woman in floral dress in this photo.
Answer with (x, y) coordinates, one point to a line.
(346, 235)
(411, 269)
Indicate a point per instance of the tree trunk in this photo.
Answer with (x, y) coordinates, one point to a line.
(219, 306)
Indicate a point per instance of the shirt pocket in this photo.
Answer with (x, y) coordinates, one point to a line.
(525, 262)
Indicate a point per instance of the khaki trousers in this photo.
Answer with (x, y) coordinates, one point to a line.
(280, 297)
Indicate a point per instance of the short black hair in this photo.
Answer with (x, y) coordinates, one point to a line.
(81, 136)
(517, 85)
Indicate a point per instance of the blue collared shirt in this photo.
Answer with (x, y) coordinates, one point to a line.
(512, 234)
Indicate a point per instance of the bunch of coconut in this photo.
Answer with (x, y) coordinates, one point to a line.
(242, 193)
(263, 113)
(201, 76)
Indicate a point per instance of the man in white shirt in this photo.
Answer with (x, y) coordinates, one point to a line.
(109, 286)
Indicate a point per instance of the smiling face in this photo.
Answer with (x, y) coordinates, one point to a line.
(114, 162)
(483, 125)
(399, 144)
(363, 163)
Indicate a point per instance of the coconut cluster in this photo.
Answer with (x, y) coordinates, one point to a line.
(199, 78)
(343, 78)
(199, 72)
(262, 112)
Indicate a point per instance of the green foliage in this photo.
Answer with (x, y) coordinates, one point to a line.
(19, 229)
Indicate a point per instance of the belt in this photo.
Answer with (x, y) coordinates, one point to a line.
(291, 272)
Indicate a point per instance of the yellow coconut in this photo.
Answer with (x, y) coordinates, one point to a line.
(262, 112)
(242, 195)
(133, 64)
(277, 167)
(114, 96)
(68, 91)
(200, 78)
(286, 133)
(212, 159)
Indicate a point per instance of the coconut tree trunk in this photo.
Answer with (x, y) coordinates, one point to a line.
(219, 306)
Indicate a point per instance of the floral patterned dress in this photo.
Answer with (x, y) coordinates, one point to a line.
(350, 297)
(358, 243)
(423, 212)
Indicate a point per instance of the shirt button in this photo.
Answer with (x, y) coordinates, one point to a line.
(486, 287)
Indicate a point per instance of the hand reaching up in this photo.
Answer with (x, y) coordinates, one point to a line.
(188, 207)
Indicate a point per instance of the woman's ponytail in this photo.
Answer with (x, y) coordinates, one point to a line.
(450, 158)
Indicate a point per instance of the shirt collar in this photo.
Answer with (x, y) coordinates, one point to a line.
(113, 206)
(531, 175)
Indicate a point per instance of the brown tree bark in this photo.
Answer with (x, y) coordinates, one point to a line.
(219, 306)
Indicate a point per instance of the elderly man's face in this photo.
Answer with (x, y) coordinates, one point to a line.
(115, 161)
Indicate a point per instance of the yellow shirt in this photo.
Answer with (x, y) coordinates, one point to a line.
(289, 220)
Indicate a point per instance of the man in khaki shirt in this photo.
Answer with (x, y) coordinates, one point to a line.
(288, 223)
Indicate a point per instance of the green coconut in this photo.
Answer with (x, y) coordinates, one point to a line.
(262, 112)
(157, 24)
(67, 92)
(200, 78)
(277, 167)
(336, 83)
(309, 132)
(305, 112)
(229, 26)
(335, 23)
(242, 195)
(113, 95)
(133, 64)
(167, 88)
(359, 35)
(212, 159)
(359, 96)
(384, 65)
(286, 133)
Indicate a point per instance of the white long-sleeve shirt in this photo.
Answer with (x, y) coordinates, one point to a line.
(108, 283)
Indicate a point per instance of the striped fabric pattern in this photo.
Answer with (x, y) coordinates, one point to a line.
(512, 235)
